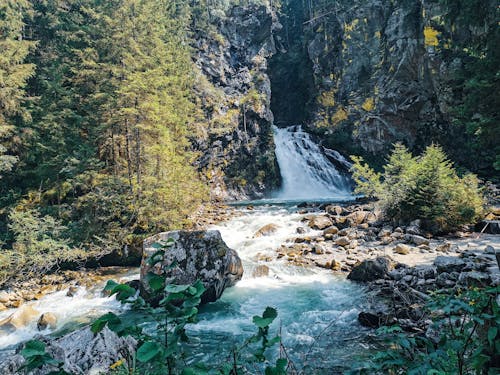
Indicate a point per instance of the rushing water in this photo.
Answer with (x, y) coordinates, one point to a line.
(305, 170)
(317, 310)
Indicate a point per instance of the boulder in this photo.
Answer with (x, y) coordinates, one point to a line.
(449, 263)
(199, 255)
(4, 296)
(371, 269)
(19, 318)
(417, 240)
(81, 351)
(402, 249)
(266, 230)
(334, 210)
(47, 319)
(320, 222)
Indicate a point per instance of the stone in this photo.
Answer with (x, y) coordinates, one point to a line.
(335, 265)
(417, 240)
(4, 296)
(261, 271)
(358, 217)
(331, 230)
(444, 247)
(300, 230)
(72, 291)
(19, 318)
(449, 264)
(371, 269)
(81, 352)
(199, 255)
(266, 230)
(2, 307)
(334, 210)
(402, 249)
(342, 241)
(320, 222)
(47, 319)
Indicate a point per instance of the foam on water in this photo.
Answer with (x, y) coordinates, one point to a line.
(305, 170)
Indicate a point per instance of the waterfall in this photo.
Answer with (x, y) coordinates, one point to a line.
(305, 170)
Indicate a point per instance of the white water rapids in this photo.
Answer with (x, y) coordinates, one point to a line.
(317, 310)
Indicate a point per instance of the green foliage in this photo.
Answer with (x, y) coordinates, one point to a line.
(39, 245)
(102, 146)
(468, 340)
(35, 355)
(425, 187)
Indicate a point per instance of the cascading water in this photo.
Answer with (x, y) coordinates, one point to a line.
(305, 170)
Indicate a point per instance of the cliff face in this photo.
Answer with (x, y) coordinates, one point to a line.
(235, 139)
(386, 71)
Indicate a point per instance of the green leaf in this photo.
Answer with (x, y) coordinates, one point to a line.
(155, 282)
(148, 350)
(33, 347)
(492, 333)
(267, 318)
(173, 288)
(111, 319)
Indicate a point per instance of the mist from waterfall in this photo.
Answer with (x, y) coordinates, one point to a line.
(305, 170)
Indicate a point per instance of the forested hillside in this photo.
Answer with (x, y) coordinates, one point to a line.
(96, 108)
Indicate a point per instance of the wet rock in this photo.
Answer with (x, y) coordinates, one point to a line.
(342, 241)
(266, 230)
(372, 269)
(261, 271)
(47, 319)
(19, 318)
(331, 230)
(200, 255)
(444, 247)
(402, 249)
(334, 210)
(72, 291)
(300, 230)
(320, 222)
(449, 263)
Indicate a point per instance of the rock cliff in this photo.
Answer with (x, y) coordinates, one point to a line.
(235, 139)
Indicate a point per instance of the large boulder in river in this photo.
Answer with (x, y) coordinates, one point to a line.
(81, 351)
(372, 269)
(199, 255)
(19, 318)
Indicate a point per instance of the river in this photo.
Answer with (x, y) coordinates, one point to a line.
(317, 309)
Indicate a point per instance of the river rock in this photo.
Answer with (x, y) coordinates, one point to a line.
(4, 296)
(417, 240)
(402, 249)
(19, 318)
(342, 241)
(371, 269)
(449, 263)
(334, 210)
(200, 255)
(320, 222)
(331, 230)
(81, 351)
(47, 319)
(261, 271)
(266, 230)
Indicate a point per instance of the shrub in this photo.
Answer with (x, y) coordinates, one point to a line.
(463, 339)
(426, 188)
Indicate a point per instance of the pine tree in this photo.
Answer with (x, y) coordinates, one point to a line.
(14, 74)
